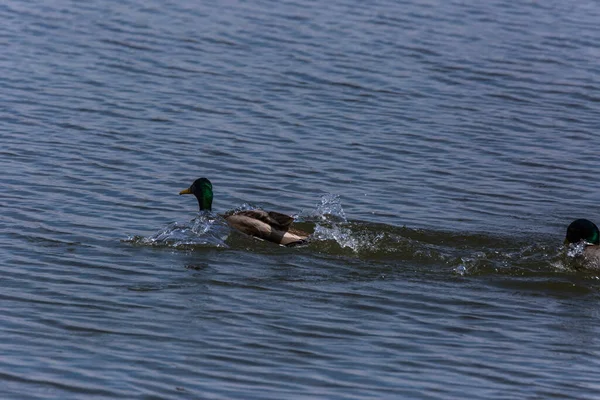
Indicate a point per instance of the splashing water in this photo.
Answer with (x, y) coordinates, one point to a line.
(331, 206)
(206, 230)
(342, 235)
(331, 224)
(576, 249)
(330, 209)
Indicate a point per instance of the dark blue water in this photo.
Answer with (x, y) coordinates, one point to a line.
(437, 150)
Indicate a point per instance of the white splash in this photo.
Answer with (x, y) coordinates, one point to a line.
(205, 230)
(576, 249)
(330, 209)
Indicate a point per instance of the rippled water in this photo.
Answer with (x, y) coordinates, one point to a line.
(436, 150)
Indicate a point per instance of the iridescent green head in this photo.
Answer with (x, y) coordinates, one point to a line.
(202, 189)
(582, 229)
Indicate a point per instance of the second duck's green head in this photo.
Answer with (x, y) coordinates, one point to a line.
(202, 189)
(583, 229)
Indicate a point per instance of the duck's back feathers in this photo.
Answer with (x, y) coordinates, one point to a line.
(280, 219)
(592, 253)
(268, 217)
(267, 225)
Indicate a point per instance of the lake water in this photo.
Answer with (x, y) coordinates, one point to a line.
(437, 149)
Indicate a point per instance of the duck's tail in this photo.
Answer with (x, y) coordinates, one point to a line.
(302, 242)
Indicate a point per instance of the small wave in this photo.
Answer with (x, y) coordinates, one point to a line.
(463, 253)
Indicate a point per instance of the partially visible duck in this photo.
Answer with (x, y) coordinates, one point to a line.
(267, 225)
(583, 230)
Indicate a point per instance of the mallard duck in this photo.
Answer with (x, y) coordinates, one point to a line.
(267, 225)
(583, 230)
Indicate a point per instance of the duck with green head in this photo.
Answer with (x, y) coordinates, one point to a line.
(583, 230)
(267, 225)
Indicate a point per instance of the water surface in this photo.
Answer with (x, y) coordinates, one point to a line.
(438, 150)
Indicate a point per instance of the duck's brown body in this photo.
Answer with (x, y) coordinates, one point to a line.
(591, 254)
(267, 225)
